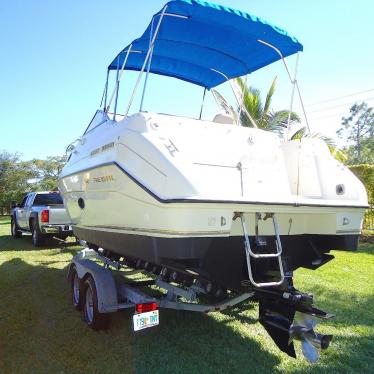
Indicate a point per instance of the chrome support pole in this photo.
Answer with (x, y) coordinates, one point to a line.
(202, 103)
(242, 98)
(239, 166)
(236, 98)
(215, 99)
(292, 81)
(118, 79)
(145, 60)
(292, 94)
(117, 90)
(148, 66)
(105, 92)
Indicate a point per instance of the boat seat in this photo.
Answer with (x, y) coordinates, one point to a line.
(223, 118)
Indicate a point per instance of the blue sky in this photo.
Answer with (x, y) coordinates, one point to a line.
(55, 53)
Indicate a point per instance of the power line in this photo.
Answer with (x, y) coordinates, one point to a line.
(328, 116)
(339, 105)
(340, 97)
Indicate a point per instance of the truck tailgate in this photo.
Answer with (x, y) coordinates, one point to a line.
(58, 216)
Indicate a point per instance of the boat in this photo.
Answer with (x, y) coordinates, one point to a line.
(211, 203)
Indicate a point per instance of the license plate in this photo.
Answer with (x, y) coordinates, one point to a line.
(145, 320)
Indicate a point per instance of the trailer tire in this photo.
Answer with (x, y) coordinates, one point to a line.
(75, 288)
(94, 319)
(16, 233)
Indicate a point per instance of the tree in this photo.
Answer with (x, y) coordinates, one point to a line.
(19, 177)
(339, 154)
(15, 179)
(47, 171)
(358, 130)
(267, 119)
(260, 112)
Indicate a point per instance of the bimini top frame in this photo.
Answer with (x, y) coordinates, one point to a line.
(204, 44)
(196, 36)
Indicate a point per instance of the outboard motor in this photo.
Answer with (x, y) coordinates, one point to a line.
(291, 316)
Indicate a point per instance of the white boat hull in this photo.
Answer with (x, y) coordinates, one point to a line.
(126, 195)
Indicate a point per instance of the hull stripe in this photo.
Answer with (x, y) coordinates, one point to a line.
(206, 201)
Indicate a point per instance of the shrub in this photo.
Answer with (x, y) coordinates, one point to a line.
(365, 172)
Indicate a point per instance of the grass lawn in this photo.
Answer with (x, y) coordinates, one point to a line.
(41, 333)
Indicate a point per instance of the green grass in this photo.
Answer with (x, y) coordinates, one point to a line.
(41, 333)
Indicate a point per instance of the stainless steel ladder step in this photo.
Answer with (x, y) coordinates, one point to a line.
(250, 254)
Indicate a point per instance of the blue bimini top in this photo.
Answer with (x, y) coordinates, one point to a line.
(196, 39)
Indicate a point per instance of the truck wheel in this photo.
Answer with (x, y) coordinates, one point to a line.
(14, 229)
(94, 319)
(38, 238)
(75, 288)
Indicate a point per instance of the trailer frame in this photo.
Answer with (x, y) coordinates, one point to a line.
(89, 262)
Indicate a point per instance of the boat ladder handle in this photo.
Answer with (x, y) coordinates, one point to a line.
(249, 254)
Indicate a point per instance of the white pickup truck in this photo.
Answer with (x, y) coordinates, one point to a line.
(43, 214)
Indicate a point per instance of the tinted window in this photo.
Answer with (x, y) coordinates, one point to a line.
(23, 201)
(29, 200)
(48, 199)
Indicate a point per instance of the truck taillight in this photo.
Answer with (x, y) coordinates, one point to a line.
(45, 216)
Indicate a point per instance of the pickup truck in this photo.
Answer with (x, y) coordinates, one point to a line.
(43, 214)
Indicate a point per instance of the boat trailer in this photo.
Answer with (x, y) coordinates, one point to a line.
(100, 286)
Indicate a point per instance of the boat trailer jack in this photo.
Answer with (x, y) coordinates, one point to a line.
(287, 321)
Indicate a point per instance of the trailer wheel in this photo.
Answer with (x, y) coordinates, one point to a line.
(75, 288)
(94, 319)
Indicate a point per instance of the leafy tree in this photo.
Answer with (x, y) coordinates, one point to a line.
(47, 171)
(19, 177)
(15, 179)
(358, 130)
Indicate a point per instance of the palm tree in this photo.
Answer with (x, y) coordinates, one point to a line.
(339, 154)
(253, 109)
(266, 119)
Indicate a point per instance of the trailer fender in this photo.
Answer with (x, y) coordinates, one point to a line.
(104, 281)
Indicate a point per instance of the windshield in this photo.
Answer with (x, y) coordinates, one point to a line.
(48, 199)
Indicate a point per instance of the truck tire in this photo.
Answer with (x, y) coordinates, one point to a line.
(16, 233)
(37, 237)
(94, 319)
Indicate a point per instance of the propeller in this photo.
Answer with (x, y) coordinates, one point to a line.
(302, 329)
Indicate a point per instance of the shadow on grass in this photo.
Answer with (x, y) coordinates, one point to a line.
(40, 319)
(40, 322)
(239, 313)
(45, 334)
(8, 243)
(366, 247)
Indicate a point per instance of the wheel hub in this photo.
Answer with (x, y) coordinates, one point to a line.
(89, 305)
(76, 290)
